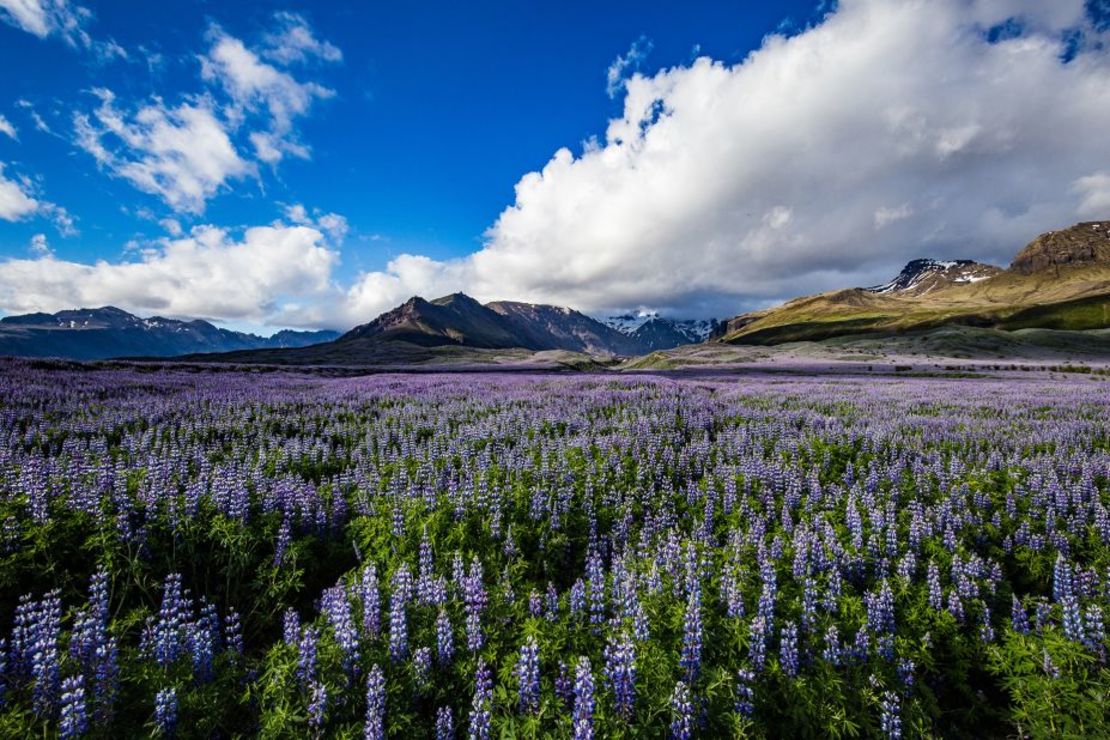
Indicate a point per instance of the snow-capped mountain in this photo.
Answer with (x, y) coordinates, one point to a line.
(921, 276)
(654, 332)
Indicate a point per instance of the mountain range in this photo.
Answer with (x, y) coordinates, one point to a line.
(1060, 281)
(455, 320)
(100, 333)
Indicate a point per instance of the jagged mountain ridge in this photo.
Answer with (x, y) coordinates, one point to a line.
(460, 320)
(654, 332)
(922, 276)
(1061, 280)
(102, 333)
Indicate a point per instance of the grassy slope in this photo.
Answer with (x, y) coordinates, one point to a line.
(1068, 298)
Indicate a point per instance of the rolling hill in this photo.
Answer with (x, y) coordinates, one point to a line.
(1060, 281)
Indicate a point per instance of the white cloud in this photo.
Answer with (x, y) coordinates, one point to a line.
(44, 18)
(630, 61)
(207, 273)
(40, 246)
(15, 202)
(183, 155)
(886, 216)
(254, 86)
(295, 42)
(891, 130)
(19, 200)
(8, 129)
(1095, 191)
(187, 153)
(332, 224)
(172, 226)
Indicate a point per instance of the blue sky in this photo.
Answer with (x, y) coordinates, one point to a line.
(395, 136)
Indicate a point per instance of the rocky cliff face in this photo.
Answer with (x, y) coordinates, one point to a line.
(1085, 243)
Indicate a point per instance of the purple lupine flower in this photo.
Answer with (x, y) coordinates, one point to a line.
(290, 627)
(201, 644)
(481, 708)
(1095, 631)
(445, 639)
(745, 694)
(306, 657)
(169, 629)
(620, 671)
(788, 649)
(398, 629)
(233, 632)
(595, 587)
(422, 664)
(1073, 620)
(577, 598)
(955, 606)
(1049, 666)
(284, 539)
(375, 704)
(936, 597)
(890, 720)
(445, 724)
(337, 609)
(691, 638)
(832, 650)
(552, 603)
(986, 629)
(535, 604)
(862, 645)
(95, 650)
(1061, 579)
(371, 601)
(74, 719)
(880, 610)
(583, 716)
(528, 676)
(905, 672)
(1018, 617)
(757, 643)
(425, 566)
(317, 708)
(682, 713)
(165, 712)
(564, 687)
(46, 669)
(474, 600)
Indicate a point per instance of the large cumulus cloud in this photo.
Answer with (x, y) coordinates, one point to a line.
(892, 130)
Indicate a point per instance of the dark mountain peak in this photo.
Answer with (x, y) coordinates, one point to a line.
(98, 333)
(921, 276)
(453, 319)
(457, 299)
(1083, 244)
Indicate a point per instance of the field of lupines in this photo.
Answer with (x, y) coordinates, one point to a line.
(239, 554)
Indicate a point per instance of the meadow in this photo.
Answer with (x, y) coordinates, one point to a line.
(227, 554)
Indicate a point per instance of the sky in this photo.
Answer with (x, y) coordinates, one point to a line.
(309, 165)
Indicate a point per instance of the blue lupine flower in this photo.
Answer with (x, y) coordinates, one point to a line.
(375, 704)
(583, 717)
(682, 713)
(528, 676)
